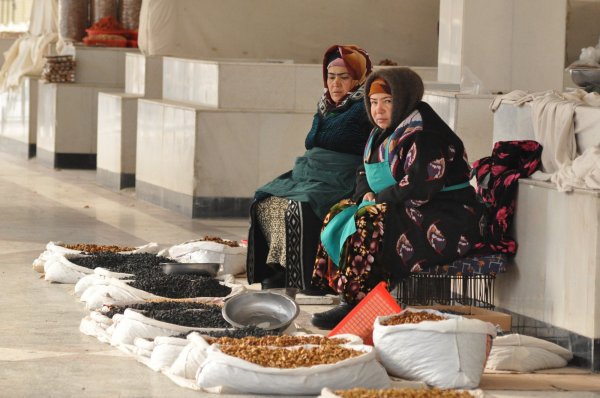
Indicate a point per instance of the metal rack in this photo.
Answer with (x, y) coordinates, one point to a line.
(430, 289)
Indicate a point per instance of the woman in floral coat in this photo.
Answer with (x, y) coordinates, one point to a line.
(413, 206)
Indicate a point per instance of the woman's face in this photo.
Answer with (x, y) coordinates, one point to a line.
(381, 109)
(339, 82)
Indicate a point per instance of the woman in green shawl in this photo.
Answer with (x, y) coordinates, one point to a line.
(287, 213)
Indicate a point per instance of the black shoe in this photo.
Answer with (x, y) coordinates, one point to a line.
(275, 281)
(330, 319)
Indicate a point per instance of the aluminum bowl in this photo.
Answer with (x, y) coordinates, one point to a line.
(264, 309)
(585, 76)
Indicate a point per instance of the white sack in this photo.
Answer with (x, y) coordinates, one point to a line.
(144, 344)
(232, 259)
(519, 353)
(446, 354)
(55, 250)
(59, 269)
(133, 324)
(165, 352)
(227, 374)
(87, 281)
(189, 359)
(118, 292)
(96, 325)
(96, 296)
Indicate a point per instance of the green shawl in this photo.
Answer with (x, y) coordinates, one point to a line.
(320, 177)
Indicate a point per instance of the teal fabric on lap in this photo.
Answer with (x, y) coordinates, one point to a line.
(320, 177)
(339, 229)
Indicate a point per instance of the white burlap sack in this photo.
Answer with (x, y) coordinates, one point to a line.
(97, 325)
(165, 352)
(232, 259)
(227, 374)
(519, 353)
(117, 292)
(133, 324)
(448, 354)
(57, 248)
(59, 269)
(189, 359)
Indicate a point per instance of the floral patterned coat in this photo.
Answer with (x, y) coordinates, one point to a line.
(423, 225)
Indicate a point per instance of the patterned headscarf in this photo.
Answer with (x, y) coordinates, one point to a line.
(406, 88)
(358, 63)
(379, 86)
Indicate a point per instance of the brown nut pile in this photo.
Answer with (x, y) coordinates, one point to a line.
(277, 341)
(411, 317)
(291, 358)
(216, 239)
(93, 248)
(402, 393)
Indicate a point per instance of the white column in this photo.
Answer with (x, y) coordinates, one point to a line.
(502, 44)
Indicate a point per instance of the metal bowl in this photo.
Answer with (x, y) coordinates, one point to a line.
(207, 269)
(585, 76)
(264, 309)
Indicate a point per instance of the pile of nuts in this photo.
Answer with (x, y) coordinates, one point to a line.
(93, 248)
(412, 317)
(402, 393)
(230, 243)
(278, 341)
(286, 358)
(59, 69)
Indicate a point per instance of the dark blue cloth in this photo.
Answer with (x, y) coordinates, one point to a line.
(341, 131)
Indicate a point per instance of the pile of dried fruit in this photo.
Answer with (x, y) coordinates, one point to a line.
(402, 393)
(279, 341)
(248, 331)
(111, 310)
(180, 286)
(230, 243)
(290, 358)
(139, 264)
(93, 248)
(411, 317)
(178, 313)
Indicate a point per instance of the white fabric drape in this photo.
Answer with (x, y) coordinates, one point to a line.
(289, 29)
(26, 55)
(554, 118)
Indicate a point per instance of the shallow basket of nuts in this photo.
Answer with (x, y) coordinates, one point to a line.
(296, 370)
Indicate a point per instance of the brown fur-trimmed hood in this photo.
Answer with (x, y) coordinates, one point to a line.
(407, 91)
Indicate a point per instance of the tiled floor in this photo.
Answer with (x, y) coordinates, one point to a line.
(42, 352)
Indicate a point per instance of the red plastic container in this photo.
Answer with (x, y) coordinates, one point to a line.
(120, 32)
(104, 43)
(360, 321)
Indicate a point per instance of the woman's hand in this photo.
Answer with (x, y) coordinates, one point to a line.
(369, 196)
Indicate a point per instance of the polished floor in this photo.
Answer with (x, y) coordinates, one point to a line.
(42, 352)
